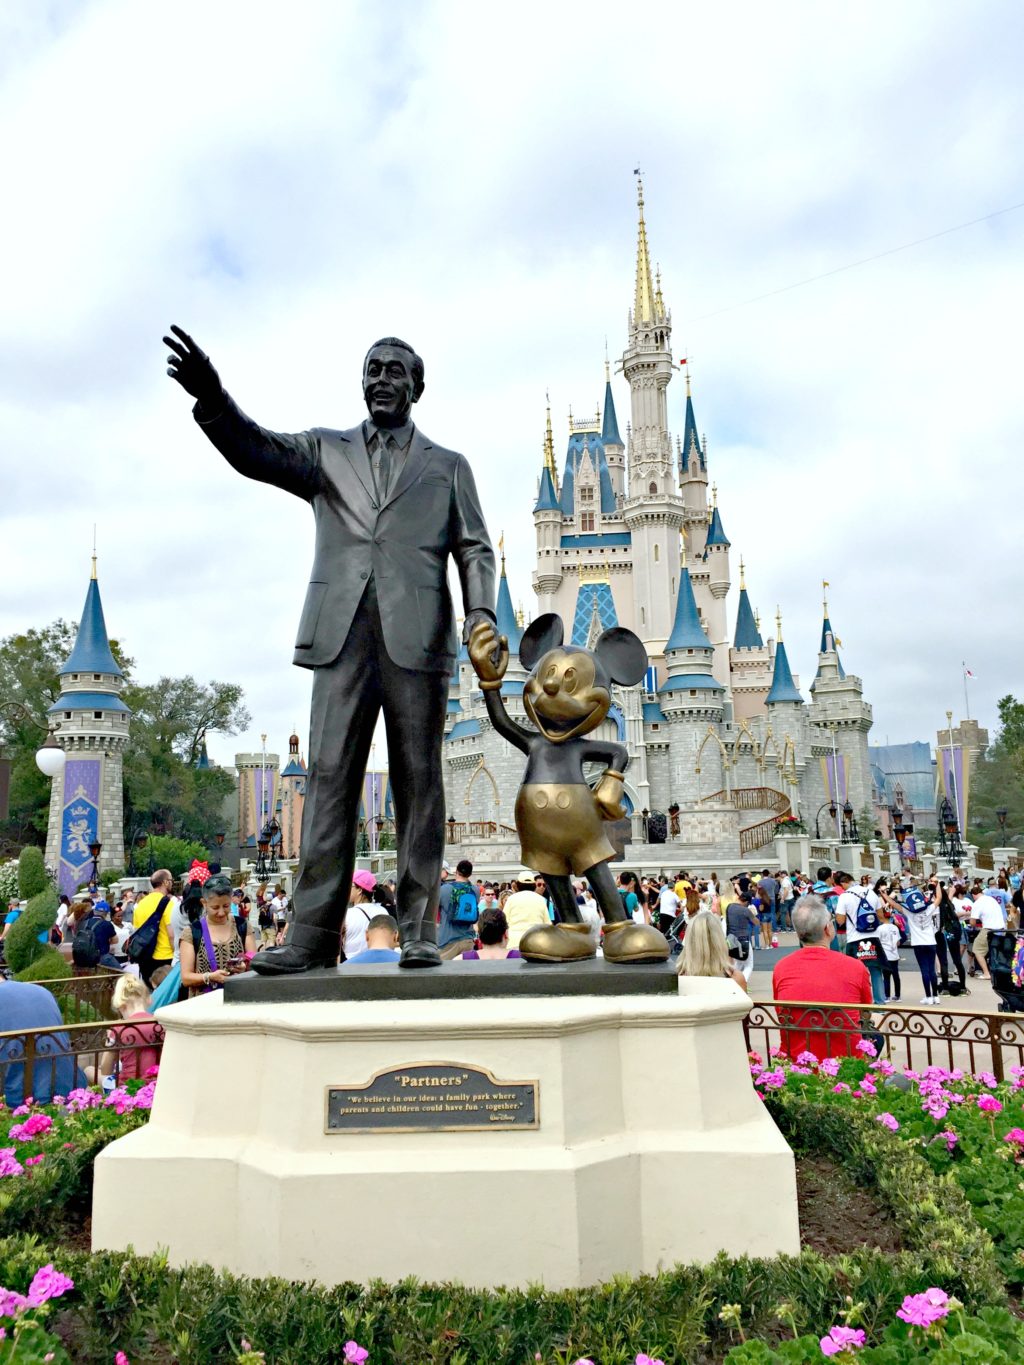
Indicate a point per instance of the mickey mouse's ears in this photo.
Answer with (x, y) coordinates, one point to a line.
(547, 632)
(622, 655)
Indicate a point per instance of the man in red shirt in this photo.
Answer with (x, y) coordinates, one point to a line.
(816, 973)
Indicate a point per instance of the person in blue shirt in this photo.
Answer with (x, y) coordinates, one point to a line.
(27, 1006)
(460, 910)
(381, 943)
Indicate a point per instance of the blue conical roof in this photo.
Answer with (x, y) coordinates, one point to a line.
(547, 500)
(783, 687)
(203, 761)
(716, 531)
(830, 645)
(91, 653)
(610, 426)
(747, 634)
(687, 631)
(506, 616)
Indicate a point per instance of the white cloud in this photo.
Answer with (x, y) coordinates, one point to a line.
(290, 183)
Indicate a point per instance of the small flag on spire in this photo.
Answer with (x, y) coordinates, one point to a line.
(683, 361)
(968, 673)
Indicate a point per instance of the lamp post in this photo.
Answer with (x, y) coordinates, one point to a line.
(952, 777)
(850, 832)
(263, 783)
(451, 829)
(95, 849)
(262, 849)
(835, 776)
(831, 807)
(1001, 816)
(951, 831)
(273, 830)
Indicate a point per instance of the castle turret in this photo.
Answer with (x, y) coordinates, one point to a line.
(614, 449)
(293, 798)
(750, 662)
(547, 521)
(87, 799)
(690, 695)
(843, 716)
(653, 510)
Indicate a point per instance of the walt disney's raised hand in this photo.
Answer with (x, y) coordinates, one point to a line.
(489, 655)
(193, 369)
(608, 795)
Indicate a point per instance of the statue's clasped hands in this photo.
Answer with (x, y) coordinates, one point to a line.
(488, 654)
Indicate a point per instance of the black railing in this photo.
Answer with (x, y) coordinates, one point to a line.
(911, 1037)
(43, 1062)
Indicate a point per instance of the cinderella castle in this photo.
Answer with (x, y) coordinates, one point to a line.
(722, 741)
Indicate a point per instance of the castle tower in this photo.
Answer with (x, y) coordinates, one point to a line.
(843, 719)
(653, 511)
(293, 798)
(87, 799)
(716, 559)
(547, 521)
(750, 663)
(259, 788)
(615, 451)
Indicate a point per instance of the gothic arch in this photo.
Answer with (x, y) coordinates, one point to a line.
(482, 769)
(712, 733)
(755, 747)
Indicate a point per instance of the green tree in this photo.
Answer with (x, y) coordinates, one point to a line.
(175, 854)
(997, 781)
(32, 876)
(23, 949)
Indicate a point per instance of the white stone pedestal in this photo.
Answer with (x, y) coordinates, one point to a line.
(651, 1147)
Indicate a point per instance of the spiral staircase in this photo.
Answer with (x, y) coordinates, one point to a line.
(761, 833)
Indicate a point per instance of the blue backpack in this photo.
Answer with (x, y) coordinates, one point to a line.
(867, 919)
(914, 902)
(463, 905)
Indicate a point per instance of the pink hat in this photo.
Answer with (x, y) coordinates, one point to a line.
(366, 881)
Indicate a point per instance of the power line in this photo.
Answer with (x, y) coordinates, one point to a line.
(852, 265)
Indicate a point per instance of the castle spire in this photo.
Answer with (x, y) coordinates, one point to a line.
(549, 447)
(92, 652)
(610, 424)
(783, 687)
(644, 302)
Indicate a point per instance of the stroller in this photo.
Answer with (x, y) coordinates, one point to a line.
(1006, 963)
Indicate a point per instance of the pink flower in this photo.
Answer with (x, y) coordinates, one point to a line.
(868, 1086)
(867, 1049)
(1015, 1135)
(807, 1059)
(34, 1126)
(986, 1078)
(755, 1058)
(988, 1104)
(889, 1121)
(840, 1088)
(48, 1283)
(583, 1360)
(883, 1067)
(11, 1304)
(774, 1080)
(949, 1138)
(9, 1163)
(921, 1310)
(153, 1071)
(354, 1354)
(830, 1066)
(122, 1359)
(841, 1339)
(33, 1160)
(643, 1359)
(777, 1052)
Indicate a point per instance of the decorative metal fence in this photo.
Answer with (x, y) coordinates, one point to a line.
(84, 998)
(43, 1062)
(910, 1037)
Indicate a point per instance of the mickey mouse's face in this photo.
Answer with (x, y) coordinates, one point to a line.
(567, 695)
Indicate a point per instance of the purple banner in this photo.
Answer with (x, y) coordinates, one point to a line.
(80, 821)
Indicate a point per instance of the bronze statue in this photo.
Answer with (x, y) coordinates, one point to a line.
(391, 507)
(560, 818)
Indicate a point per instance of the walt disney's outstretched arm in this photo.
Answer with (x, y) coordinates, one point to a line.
(489, 656)
(289, 462)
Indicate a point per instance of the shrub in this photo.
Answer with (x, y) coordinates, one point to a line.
(50, 965)
(22, 946)
(32, 876)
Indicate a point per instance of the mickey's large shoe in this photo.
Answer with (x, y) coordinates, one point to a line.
(558, 943)
(306, 950)
(625, 941)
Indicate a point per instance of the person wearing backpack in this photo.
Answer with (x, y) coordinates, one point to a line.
(91, 945)
(857, 917)
(460, 911)
(151, 945)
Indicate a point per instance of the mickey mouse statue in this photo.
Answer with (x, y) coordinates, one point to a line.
(559, 816)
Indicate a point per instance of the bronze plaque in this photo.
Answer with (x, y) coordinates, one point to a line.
(432, 1097)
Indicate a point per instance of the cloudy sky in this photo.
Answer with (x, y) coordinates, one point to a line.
(290, 181)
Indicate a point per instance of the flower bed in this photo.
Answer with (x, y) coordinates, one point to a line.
(968, 1129)
(115, 1308)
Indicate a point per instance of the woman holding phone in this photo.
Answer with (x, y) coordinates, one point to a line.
(220, 945)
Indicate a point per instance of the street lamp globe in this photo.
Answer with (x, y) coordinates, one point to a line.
(50, 757)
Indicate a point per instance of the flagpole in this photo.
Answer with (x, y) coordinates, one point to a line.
(967, 705)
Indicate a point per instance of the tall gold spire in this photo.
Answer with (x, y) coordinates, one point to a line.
(549, 447)
(682, 547)
(824, 597)
(501, 551)
(93, 550)
(743, 576)
(778, 625)
(644, 303)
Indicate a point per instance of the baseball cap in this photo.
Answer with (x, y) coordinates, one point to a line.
(366, 881)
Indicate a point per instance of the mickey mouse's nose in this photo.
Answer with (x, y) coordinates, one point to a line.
(551, 686)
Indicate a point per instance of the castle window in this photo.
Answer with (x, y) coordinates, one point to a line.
(95, 677)
(74, 677)
(657, 553)
(97, 715)
(586, 521)
(67, 715)
(586, 494)
(655, 726)
(652, 488)
(693, 691)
